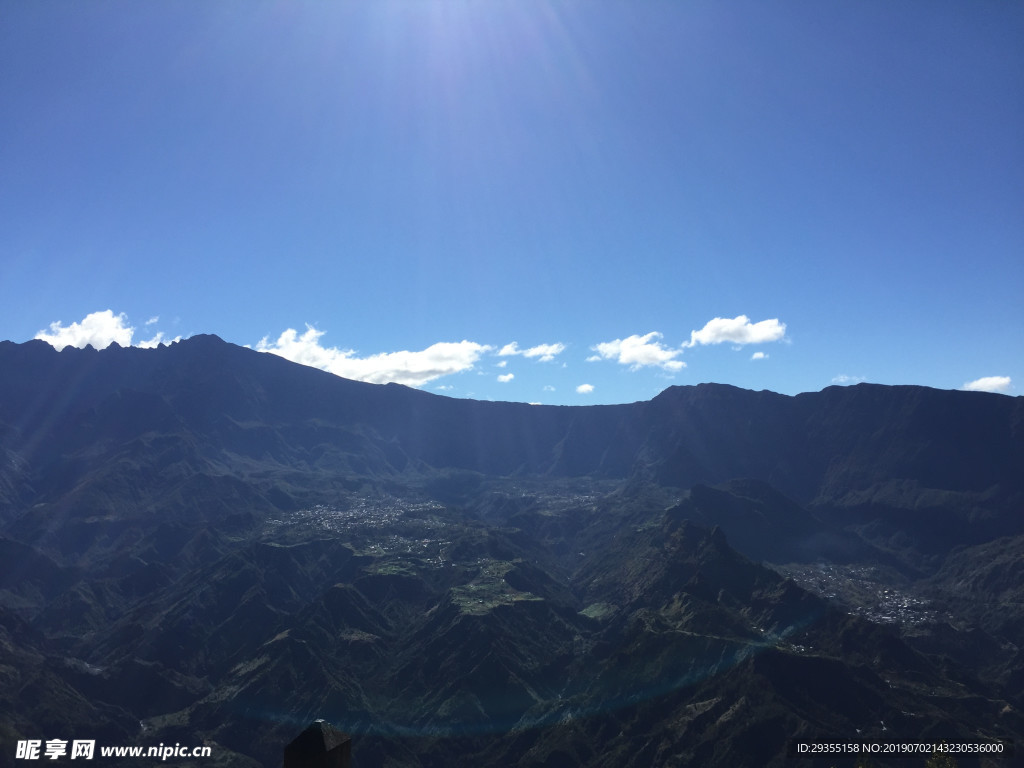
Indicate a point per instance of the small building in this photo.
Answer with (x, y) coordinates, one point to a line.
(321, 745)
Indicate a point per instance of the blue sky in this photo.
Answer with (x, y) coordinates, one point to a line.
(775, 195)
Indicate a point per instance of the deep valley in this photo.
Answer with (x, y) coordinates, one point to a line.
(209, 545)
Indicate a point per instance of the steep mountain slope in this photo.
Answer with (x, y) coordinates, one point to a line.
(209, 406)
(664, 646)
(224, 545)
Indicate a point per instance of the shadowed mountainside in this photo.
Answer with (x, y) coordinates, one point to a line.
(203, 543)
(233, 416)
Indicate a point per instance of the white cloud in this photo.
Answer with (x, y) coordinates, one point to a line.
(988, 384)
(548, 388)
(639, 351)
(157, 340)
(100, 329)
(502, 364)
(738, 330)
(585, 389)
(759, 356)
(844, 379)
(413, 369)
(506, 377)
(544, 352)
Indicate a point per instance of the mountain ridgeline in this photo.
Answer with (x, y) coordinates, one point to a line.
(861, 448)
(206, 544)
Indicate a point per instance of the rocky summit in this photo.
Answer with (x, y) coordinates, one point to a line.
(207, 545)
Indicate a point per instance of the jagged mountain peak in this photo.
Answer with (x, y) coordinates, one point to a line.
(211, 535)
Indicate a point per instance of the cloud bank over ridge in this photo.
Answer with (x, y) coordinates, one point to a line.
(998, 384)
(640, 351)
(99, 330)
(417, 368)
(414, 369)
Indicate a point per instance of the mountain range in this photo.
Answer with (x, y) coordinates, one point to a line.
(201, 543)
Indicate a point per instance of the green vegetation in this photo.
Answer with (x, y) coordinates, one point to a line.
(598, 611)
(456, 583)
(488, 589)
